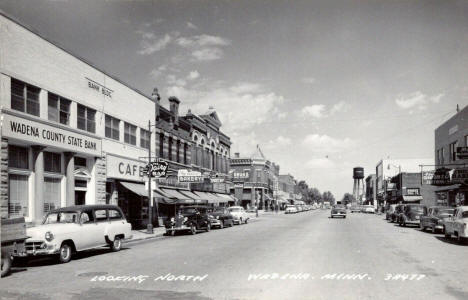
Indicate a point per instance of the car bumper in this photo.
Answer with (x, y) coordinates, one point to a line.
(177, 228)
(216, 223)
(416, 222)
(339, 214)
(34, 248)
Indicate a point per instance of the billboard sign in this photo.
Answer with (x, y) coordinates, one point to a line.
(460, 176)
(441, 177)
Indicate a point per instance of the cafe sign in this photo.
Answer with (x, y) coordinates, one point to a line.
(38, 133)
(123, 168)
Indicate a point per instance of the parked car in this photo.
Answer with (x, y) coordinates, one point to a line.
(220, 217)
(355, 208)
(299, 208)
(389, 212)
(411, 215)
(13, 237)
(368, 209)
(189, 219)
(395, 216)
(457, 224)
(338, 211)
(239, 215)
(75, 228)
(290, 209)
(434, 217)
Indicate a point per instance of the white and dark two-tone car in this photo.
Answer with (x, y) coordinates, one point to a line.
(457, 225)
(67, 230)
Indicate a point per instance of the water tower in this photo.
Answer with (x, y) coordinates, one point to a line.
(358, 176)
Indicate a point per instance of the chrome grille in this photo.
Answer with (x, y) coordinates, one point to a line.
(33, 246)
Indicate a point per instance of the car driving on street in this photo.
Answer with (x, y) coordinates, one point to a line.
(70, 229)
(338, 211)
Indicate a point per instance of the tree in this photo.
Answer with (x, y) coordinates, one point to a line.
(304, 190)
(328, 197)
(348, 198)
(315, 195)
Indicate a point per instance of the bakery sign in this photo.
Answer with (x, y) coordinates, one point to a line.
(38, 133)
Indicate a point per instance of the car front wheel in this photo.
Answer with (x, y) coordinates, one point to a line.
(6, 265)
(208, 227)
(116, 244)
(193, 229)
(221, 226)
(446, 234)
(65, 253)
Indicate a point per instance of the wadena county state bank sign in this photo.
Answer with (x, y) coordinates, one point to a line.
(38, 133)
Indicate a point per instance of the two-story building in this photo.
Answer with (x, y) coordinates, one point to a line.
(451, 153)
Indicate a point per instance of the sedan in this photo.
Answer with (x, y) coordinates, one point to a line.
(338, 211)
(434, 218)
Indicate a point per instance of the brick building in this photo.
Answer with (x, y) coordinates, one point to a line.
(408, 188)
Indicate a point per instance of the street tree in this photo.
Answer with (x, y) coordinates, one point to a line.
(348, 198)
(328, 197)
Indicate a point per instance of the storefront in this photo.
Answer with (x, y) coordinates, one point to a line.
(48, 166)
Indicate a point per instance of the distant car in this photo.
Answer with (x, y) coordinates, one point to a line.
(395, 216)
(299, 208)
(221, 217)
(338, 211)
(411, 215)
(189, 219)
(239, 214)
(76, 228)
(457, 224)
(355, 208)
(367, 209)
(434, 217)
(290, 209)
(390, 210)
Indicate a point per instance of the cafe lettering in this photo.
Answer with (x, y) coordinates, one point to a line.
(36, 132)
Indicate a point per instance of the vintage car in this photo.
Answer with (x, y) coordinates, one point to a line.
(457, 224)
(395, 216)
(239, 214)
(75, 228)
(355, 208)
(390, 210)
(368, 209)
(189, 219)
(13, 236)
(434, 217)
(411, 215)
(338, 211)
(290, 209)
(220, 217)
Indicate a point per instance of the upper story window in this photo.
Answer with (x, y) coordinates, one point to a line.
(79, 161)
(18, 157)
(59, 109)
(86, 118)
(185, 153)
(112, 128)
(52, 162)
(24, 97)
(144, 138)
(453, 151)
(129, 133)
(161, 145)
(170, 148)
(178, 151)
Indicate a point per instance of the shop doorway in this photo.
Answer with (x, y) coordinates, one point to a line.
(80, 197)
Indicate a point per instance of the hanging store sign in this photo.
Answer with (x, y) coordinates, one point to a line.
(241, 175)
(238, 185)
(43, 134)
(441, 177)
(462, 152)
(427, 176)
(157, 169)
(460, 176)
(189, 176)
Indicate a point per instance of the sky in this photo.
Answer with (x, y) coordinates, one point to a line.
(320, 86)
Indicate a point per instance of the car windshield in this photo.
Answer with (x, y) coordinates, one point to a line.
(219, 210)
(61, 217)
(416, 208)
(465, 214)
(235, 209)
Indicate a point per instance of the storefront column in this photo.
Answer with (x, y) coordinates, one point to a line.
(69, 173)
(263, 200)
(253, 197)
(38, 158)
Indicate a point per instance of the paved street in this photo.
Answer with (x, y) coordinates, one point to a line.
(297, 251)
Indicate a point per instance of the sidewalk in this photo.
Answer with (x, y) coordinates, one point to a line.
(141, 234)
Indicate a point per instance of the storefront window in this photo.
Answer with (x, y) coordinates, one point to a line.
(86, 118)
(112, 128)
(144, 138)
(52, 162)
(453, 151)
(18, 157)
(24, 97)
(129, 134)
(59, 109)
(52, 194)
(18, 195)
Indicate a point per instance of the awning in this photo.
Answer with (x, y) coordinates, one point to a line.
(448, 188)
(228, 198)
(210, 197)
(412, 198)
(137, 188)
(175, 194)
(194, 196)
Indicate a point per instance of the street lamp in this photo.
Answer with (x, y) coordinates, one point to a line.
(156, 98)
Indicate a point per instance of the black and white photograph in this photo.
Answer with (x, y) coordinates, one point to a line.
(234, 149)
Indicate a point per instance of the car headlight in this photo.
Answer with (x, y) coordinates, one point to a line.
(185, 219)
(217, 217)
(49, 236)
(172, 219)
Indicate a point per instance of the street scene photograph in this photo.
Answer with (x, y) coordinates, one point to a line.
(233, 149)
